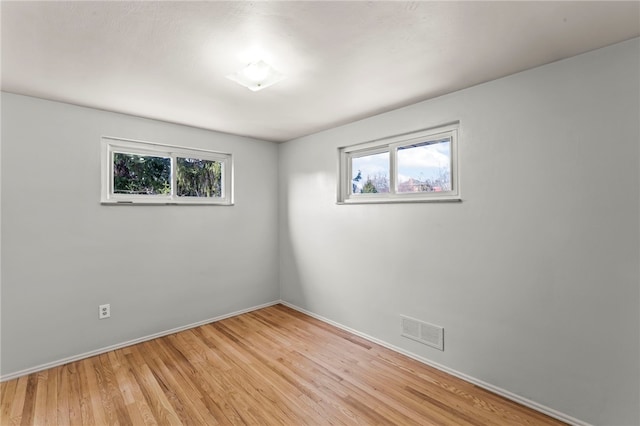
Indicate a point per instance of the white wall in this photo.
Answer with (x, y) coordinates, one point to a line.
(159, 267)
(534, 276)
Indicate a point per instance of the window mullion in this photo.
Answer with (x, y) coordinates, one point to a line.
(348, 186)
(223, 178)
(174, 176)
(393, 167)
(110, 177)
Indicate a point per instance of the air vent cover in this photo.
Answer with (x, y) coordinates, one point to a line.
(423, 332)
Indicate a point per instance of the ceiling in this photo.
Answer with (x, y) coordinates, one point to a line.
(343, 60)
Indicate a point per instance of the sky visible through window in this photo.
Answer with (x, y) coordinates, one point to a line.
(423, 167)
(372, 169)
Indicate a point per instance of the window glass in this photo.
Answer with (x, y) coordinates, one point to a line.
(199, 178)
(141, 174)
(370, 174)
(425, 167)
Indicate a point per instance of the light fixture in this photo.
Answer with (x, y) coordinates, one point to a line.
(257, 76)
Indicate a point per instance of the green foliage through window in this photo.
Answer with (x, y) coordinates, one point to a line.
(141, 174)
(369, 188)
(199, 178)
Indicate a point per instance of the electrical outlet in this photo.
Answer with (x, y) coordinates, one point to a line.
(105, 311)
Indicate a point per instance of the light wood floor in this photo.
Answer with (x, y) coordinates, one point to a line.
(274, 366)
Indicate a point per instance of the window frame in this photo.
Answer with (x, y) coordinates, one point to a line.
(111, 145)
(391, 145)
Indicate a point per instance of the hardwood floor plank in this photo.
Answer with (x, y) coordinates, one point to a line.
(85, 391)
(188, 410)
(253, 384)
(63, 392)
(7, 391)
(395, 412)
(136, 406)
(160, 406)
(40, 400)
(303, 403)
(296, 382)
(218, 394)
(75, 410)
(51, 410)
(95, 392)
(112, 397)
(29, 400)
(17, 404)
(274, 366)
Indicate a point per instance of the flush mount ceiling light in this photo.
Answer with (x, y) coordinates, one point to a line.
(257, 76)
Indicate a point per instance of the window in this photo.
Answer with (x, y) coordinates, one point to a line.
(146, 173)
(420, 166)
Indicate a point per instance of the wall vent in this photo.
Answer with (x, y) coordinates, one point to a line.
(423, 332)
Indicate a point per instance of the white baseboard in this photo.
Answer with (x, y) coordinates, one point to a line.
(497, 390)
(129, 343)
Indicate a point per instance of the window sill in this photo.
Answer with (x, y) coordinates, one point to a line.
(162, 203)
(400, 201)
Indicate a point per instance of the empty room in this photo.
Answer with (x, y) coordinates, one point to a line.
(320, 213)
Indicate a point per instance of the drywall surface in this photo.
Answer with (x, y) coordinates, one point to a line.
(160, 267)
(534, 275)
